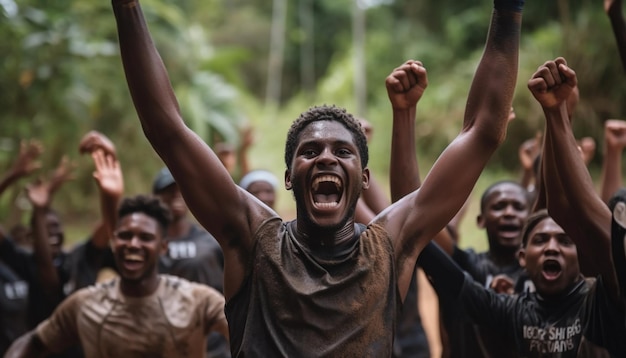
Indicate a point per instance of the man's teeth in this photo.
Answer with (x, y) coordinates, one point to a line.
(327, 205)
(133, 257)
(326, 178)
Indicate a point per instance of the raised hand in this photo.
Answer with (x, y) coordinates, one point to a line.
(26, 162)
(587, 148)
(552, 83)
(529, 150)
(62, 173)
(247, 137)
(95, 140)
(406, 85)
(39, 193)
(612, 5)
(367, 128)
(108, 173)
(615, 133)
(502, 284)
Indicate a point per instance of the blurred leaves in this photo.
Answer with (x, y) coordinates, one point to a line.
(61, 76)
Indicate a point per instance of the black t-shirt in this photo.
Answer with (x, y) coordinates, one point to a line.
(196, 257)
(13, 307)
(534, 326)
(411, 340)
(40, 304)
(466, 339)
(299, 301)
(605, 331)
(83, 264)
(530, 325)
(483, 269)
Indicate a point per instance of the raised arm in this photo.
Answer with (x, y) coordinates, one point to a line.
(614, 143)
(528, 152)
(417, 217)
(108, 176)
(613, 9)
(571, 198)
(39, 194)
(405, 87)
(25, 163)
(230, 214)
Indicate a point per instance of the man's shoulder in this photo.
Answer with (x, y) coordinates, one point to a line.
(177, 283)
(181, 289)
(108, 288)
(95, 293)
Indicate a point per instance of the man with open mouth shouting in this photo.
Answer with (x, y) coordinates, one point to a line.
(322, 285)
(139, 314)
(568, 315)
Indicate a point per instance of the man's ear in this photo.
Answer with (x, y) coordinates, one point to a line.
(288, 185)
(521, 257)
(480, 221)
(365, 176)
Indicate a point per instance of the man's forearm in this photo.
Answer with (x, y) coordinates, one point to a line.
(444, 274)
(146, 75)
(404, 173)
(619, 30)
(611, 172)
(491, 93)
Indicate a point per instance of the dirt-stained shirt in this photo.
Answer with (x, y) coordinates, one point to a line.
(171, 322)
(294, 303)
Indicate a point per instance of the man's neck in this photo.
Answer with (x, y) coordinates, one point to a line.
(317, 237)
(178, 229)
(141, 288)
(503, 256)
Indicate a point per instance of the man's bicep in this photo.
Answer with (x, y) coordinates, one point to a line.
(215, 317)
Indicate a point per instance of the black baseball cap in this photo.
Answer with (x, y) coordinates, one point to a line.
(163, 179)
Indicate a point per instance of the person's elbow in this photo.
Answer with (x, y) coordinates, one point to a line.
(27, 346)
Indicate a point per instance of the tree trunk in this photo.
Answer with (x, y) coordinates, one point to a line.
(277, 49)
(358, 44)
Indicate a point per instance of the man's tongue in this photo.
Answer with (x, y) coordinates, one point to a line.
(326, 199)
(551, 271)
(326, 193)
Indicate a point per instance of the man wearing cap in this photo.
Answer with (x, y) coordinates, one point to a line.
(192, 252)
(262, 184)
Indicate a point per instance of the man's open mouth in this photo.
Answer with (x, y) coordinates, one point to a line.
(551, 269)
(326, 191)
(509, 230)
(133, 261)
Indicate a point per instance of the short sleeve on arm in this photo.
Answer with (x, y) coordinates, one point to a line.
(485, 307)
(60, 331)
(214, 314)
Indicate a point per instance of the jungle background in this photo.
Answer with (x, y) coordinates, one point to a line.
(236, 63)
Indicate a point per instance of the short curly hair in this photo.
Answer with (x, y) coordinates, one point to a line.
(531, 222)
(326, 113)
(148, 205)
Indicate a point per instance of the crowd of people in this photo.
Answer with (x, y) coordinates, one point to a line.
(339, 280)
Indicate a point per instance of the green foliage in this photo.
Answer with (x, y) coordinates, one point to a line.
(61, 76)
